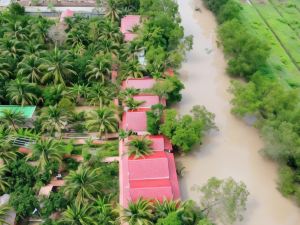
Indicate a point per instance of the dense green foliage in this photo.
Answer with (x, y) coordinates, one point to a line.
(274, 104)
(223, 199)
(154, 117)
(187, 130)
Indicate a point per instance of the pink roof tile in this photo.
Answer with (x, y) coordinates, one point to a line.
(135, 120)
(140, 83)
(159, 193)
(143, 169)
(127, 24)
(149, 100)
(66, 13)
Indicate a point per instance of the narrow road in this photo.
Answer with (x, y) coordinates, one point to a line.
(234, 150)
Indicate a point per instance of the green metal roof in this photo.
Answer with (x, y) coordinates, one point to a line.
(26, 110)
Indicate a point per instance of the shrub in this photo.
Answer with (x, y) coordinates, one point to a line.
(24, 201)
(66, 104)
(286, 181)
(154, 118)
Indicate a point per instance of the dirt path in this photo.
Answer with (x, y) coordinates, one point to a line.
(234, 150)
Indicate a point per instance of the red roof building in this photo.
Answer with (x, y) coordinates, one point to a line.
(135, 120)
(127, 24)
(66, 13)
(138, 83)
(148, 100)
(149, 177)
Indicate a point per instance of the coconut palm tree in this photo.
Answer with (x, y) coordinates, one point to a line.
(100, 94)
(4, 209)
(112, 10)
(32, 48)
(83, 184)
(17, 30)
(3, 184)
(139, 212)
(110, 30)
(29, 68)
(103, 120)
(21, 92)
(77, 91)
(77, 36)
(12, 119)
(4, 70)
(104, 213)
(78, 214)
(54, 119)
(128, 93)
(11, 48)
(99, 68)
(7, 152)
(139, 146)
(162, 209)
(57, 67)
(108, 46)
(132, 69)
(133, 104)
(46, 151)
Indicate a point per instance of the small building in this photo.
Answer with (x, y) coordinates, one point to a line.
(127, 24)
(149, 100)
(27, 111)
(65, 14)
(150, 177)
(138, 83)
(135, 120)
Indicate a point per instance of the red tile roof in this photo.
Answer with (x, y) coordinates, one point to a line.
(66, 13)
(150, 177)
(127, 23)
(149, 100)
(139, 83)
(135, 120)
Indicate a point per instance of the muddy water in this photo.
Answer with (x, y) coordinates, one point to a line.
(234, 149)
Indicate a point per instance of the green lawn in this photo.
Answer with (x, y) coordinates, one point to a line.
(287, 36)
(290, 13)
(279, 61)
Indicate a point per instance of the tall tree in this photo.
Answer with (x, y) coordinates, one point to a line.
(103, 120)
(54, 119)
(57, 67)
(99, 68)
(139, 146)
(21, 92)
(139, 212)
(29, 68)
(132, 69)
(12, 119)
(78, 214)
(100, 94)
(46, 151)
(224, 200)
(7, 152)
(112, 10)
(83, 184)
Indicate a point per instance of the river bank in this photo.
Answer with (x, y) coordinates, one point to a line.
(234, 149)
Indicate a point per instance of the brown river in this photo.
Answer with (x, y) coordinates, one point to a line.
(234, 149)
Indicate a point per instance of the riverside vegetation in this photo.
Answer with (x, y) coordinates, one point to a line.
(62, 67)
(272, 100)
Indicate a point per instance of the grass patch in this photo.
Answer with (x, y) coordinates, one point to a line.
(279, 61)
